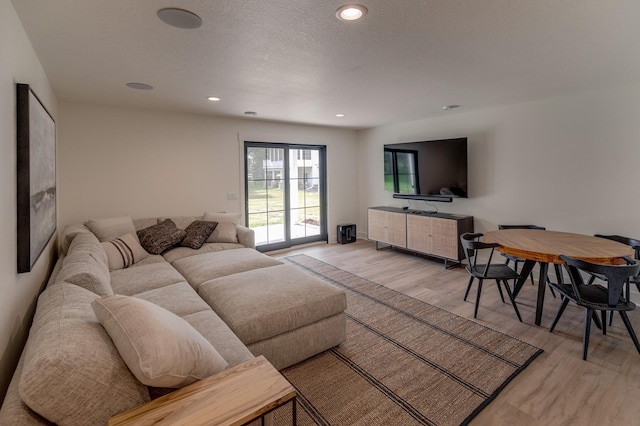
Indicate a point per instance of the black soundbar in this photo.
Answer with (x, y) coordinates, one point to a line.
(440, 198)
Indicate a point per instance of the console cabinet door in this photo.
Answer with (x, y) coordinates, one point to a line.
(387, 227)
(443, 237)
(418, 231)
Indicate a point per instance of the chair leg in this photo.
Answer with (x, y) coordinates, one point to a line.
(513, 302)
(603, 315)
(610, 318)
(596, 320)
(468, 288)
(500, 290)
(475, 309)
(632, 333)
(587, 331)
(563, 306)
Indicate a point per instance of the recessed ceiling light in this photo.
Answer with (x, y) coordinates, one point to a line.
(179, 18)
(339, 115)
(140, 86)
(251, 113)
(213, 98)
(447, 107)
(351, 12)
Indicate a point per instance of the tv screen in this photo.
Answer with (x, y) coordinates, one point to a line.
(428, 168)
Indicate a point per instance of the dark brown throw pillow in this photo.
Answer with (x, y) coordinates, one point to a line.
(197, 233)
(158, 238)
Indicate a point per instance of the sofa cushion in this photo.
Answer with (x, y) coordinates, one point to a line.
(211, 326)
(263, 303)
(72, 372)
(123, 252)
(179, 298)
(180, 252)
(226, 231)
(86, 265)
(197, 233)
(110, 228)
(144, 278)
(207, 266)
(158, 238)
(159, 347)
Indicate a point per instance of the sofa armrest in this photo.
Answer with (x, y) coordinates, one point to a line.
(246, 236)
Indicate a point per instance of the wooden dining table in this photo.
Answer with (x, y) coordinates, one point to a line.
(545, 247)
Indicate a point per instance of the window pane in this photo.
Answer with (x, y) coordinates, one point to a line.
(388, 172)
(406, 172)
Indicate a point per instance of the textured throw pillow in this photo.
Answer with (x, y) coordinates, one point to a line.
(158, 238)
(123, 252)
(108, 229)
(197, 233)
(226, 231)
(160, 348)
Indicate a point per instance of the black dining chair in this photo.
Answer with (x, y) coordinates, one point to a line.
(595, 297)
(631, 242)
(501, 273)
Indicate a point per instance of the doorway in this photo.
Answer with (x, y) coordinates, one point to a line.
(285, 194)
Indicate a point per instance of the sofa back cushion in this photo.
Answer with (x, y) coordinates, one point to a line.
(72, 372)
(110, 228)
(86, 265)
(226, 231)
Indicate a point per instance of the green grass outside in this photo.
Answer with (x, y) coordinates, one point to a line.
(271, 200)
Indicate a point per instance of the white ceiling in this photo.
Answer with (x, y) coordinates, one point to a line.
(294, 61)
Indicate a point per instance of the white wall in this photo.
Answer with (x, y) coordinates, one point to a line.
(567, 163)
(118, 161)
(18, 64)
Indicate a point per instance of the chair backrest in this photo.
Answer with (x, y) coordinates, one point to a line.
(617, 275)
(471, 245)
(632, 242)
(542, 228)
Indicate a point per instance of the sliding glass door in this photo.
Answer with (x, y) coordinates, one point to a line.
(285, 194)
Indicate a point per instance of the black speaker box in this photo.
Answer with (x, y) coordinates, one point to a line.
(346, 233)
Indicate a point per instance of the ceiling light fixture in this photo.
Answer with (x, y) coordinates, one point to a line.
(351, 12)
(339, 115)
(179, 18)
(448, 107)
(213, 99)
(139, 86)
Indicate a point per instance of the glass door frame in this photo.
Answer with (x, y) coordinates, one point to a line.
(322, 191)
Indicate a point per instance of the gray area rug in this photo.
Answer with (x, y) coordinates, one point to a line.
(405, 362)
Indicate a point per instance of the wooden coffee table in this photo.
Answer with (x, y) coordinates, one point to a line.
(235, 396)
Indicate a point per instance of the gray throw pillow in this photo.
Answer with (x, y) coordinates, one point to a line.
(197, 233)
(160, 348)
(158, 238)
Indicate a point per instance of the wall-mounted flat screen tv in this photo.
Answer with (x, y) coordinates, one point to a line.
(435, 169)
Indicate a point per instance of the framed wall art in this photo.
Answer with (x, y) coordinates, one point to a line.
(36, 168)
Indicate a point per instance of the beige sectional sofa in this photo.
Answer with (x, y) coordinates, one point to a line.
(244, 303)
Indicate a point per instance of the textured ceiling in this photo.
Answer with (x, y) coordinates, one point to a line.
(293, 61)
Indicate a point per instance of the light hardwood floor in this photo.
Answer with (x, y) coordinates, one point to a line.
(558, 388)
